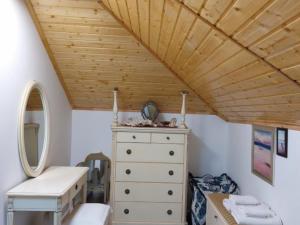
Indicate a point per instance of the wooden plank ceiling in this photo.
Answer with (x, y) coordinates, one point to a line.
(240, 57)
(93, 53)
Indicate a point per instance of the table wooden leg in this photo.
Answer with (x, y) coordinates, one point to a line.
(10, 218)
(84, 192)
(57, 216)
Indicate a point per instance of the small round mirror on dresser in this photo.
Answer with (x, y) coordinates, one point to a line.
(33, 129)
(150, 111)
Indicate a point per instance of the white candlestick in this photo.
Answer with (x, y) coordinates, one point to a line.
(183, 109)
(115, 108)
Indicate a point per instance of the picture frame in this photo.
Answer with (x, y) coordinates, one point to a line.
(263, 152)
(282, 142)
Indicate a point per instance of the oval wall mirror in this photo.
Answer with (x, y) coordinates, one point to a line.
(33, 130)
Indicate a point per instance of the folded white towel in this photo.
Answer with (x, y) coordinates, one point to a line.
(260, 211)
(241, 218)
(243, 200)
(227, 204)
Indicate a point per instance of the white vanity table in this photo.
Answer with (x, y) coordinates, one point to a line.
(52, 191)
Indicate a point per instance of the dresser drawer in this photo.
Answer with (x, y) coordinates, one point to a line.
(133, 137)
(140, 152)
(148, 192)
(77, 186)
(167, 138)
(149, 172)
(147, 212)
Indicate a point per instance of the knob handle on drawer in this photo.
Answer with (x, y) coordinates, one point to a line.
(126, 211)
(76, 186)
(128, 171)
(168, 138)
(128, 151)
(172, 153)
(170, 212)
(127, 191)
(171, 172)
(170, 192)
(133, 136)
(216, 217)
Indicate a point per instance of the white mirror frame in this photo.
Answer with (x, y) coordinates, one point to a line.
(22, 151)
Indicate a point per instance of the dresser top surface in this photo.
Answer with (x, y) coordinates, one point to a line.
(151, 130)
(54, 181)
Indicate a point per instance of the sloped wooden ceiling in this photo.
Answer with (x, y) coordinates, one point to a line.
(241, 56)
(93, 53)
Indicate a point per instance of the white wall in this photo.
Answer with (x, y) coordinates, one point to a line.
(207, 143)
(284, 196)
(23, 58)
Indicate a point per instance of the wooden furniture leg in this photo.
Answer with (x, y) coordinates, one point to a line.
(57, 216)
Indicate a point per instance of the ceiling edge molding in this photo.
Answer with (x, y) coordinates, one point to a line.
(209, 106)
(47, 47)
(238, 43)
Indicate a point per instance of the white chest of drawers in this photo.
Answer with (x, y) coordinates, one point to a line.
(149, 176)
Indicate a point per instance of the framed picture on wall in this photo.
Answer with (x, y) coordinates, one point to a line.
(262, 152)
(282, 142)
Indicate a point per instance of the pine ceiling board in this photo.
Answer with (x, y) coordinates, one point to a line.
(293, 72)
(264, 91)
(239, 13)
(88, 4)
(191, 43)
(282, 100)
(95, 53)
(276, 14)
(226, 51)
(113, 5)
(195, 5)
(278, 41)
(156, 13)
(122, 5)
(234, 63)
(185, 22)
(287, 58)
(133, 15)
(248, 71)
(213, 10)
(143, 9)
(103, 22)
(169, 19)
(264, 80)
(212, 42)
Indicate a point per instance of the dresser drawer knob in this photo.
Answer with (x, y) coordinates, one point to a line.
(128, 151)
(126, 211)
(216, 217)
(172, 153)
(76, 186)
(127, 191)
(128, 171)
(133, 136)
(168, 138)
(170, 192)
(171, 172)
(170, 212)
